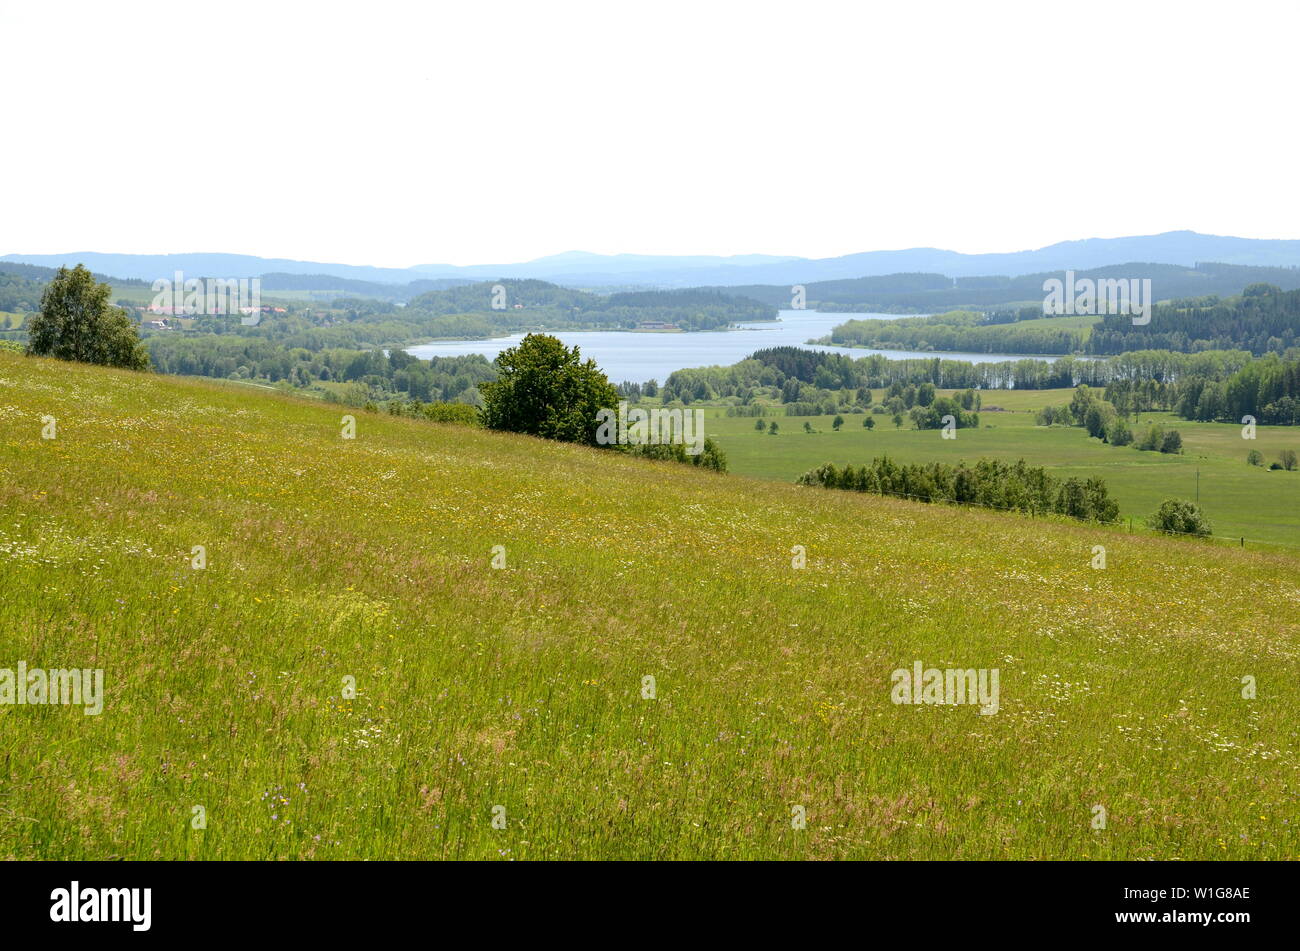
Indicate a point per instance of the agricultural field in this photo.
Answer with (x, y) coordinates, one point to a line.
(306, 646)
(1240, 500)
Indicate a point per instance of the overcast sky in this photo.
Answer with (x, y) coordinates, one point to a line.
(480, 132)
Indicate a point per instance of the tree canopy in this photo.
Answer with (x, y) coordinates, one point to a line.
(77, 322)
(545, 389)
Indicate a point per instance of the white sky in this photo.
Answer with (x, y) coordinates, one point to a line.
(489, 132)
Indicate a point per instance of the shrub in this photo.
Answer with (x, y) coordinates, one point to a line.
(1118, 434)
(461, 413)
(1179, 517)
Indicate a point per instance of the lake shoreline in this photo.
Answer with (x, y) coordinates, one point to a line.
(626, 355)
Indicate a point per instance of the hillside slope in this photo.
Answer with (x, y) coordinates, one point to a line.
(522, 687)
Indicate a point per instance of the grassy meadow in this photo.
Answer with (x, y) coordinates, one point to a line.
(519, 692)
(1240, 500)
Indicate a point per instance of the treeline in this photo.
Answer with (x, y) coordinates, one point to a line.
(20, 294)
(782, 373)
(1263, 319)
(514, 305)
(794, 382)
(957, 331)
(439, 379)
(989, 482)
(1267, 389)
(920, 293)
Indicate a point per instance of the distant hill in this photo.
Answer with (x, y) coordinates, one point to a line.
(151, 267)
(327, 285)
(931, 293)
(583, 269)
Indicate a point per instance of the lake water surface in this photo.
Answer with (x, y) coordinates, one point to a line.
(638, 357)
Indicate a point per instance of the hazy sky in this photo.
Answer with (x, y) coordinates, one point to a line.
(475, 132)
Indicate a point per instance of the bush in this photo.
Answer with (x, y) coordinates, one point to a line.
(931, 417)
(1254, 458)
(1179, 517)
(1158, 439)
(1118, 434)
(710, 456)
(461, 413)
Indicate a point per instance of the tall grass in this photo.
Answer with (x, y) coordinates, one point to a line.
(522, 687)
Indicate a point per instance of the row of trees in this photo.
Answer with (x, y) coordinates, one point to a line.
(989, 482)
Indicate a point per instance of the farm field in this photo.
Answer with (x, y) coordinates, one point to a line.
(1239, 499)
(520, 693)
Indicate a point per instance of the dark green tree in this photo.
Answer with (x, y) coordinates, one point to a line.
(545, 389)
(77, 322)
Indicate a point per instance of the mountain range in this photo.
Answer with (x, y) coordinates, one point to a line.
(584, 269)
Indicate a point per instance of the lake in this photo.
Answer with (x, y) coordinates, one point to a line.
(637, 357)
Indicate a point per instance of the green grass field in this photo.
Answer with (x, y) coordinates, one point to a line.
(1240, 500)
(519, 692)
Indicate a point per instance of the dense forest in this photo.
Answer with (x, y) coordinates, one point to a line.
(1263, 319)
(933, 293)
(961, 331)
(1267, 389)
(528, 305)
